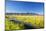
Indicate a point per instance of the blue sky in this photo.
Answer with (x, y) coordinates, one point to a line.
(24, 7)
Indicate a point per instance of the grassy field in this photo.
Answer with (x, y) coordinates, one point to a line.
(34, 20)
(11, 26)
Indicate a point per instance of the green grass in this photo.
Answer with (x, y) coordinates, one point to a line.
(34, 20)
(9, 25)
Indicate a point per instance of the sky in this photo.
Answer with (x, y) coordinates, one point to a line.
(24, 7)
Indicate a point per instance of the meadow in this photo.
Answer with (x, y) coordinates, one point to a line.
(35, 20)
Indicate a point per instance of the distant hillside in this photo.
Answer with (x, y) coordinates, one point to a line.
(22, 14)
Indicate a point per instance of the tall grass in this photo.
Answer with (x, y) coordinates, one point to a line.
(34, 20)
